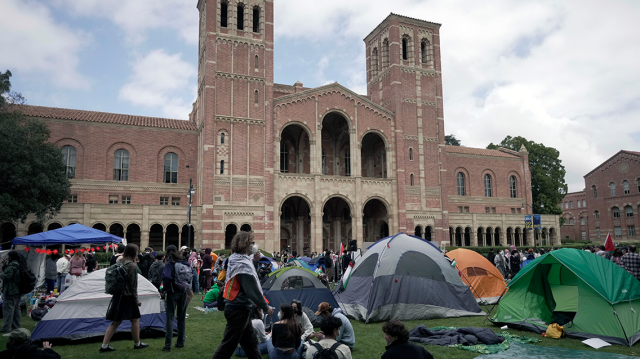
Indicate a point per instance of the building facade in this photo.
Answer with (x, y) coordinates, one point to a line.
(306, 167)
(610, 202)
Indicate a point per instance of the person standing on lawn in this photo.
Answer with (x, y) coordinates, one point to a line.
(11, 312)
(155, 272)
(117, 257)
(51, 272)
(398, 346)
(242, 290)
(207, 263)
(193, 262)
(77, 264)
(62, 265)
(176, 300)
(125, 305)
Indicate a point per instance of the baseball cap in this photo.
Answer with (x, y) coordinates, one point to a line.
(183, 248)
(20, 334)
(323, 307)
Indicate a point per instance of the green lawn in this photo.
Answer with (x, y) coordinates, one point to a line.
(204, 332)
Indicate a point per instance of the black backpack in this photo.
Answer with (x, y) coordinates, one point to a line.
(27, 281)
(324, 353)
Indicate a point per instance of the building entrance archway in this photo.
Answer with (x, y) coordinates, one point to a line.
(295, 223)
(295, 153)
(375, 221)
(133, 234)
(336, 145)
(336, 223)
(373, 156)
(229, 233)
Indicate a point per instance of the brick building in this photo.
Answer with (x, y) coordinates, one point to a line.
(610, 202)
(306, 167)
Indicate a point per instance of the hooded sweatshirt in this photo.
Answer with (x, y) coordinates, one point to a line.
(345, 335)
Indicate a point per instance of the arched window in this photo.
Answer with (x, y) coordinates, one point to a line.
(374, 60)
(171, 168)
(582, 221)
(612, 186)
(256, 96)
(121, 165)
(571, 221)
(597, 215)
(241, 16)
(425, 51)
(256, 62)
(69, 154)
(411, 179)
(594, 189)
(411, 154)
(638, 183)
(461, 184)
(487, 186)
(222, 167)
(222, 138)
(625, 186)
(405, 48)
(256, 19)
(616, 212)
(224, 7)
(347, 162)
(628, 210)
(324, 162)
(284, 158)
(513, 187)
(385, 53)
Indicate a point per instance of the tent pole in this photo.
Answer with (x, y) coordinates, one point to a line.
(465, 277)
(622, 326)
(496, 303)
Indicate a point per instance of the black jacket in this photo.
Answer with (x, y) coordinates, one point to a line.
(29, 351)
(405, 350)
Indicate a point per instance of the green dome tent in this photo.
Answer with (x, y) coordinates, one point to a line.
(602, 299)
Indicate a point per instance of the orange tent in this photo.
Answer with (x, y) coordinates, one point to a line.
(483, 278)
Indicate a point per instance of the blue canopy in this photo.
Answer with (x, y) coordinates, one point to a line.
(73, 234)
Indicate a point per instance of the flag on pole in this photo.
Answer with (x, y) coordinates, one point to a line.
(608, 243)
(341, 249)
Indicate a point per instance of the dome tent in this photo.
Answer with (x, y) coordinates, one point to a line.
(485, 280)
(600, 299)
(80, 311)
(405, 277)
(289, 283)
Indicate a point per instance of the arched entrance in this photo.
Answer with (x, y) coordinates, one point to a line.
(133, 234)
(53, 226)
(336, 218)
(229, 232)
(509, 236)
(172, 236)
(7, 234)
(336, 146)
(518, 239)
(467, 236)
(374, 156)
(156, 235)
(480, 233)
(117, 230)
(452, 237)
(418, 231)
(375, 221)
(295, 224)
(295, 151)
(99, 226)
(488, 237)
(458, 237)
(552, 236)
(497, 236)
(428, 233)
(34, 228)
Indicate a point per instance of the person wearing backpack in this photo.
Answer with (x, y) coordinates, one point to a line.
(328, 347)
(176, 282)
(124, 305)
(155, 272)
(11, 311)
(398, 346)
(346, 335)
(51, 272)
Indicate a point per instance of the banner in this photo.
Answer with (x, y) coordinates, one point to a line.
(537, 221)
(528, 222)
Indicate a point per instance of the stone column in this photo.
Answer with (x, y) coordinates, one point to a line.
(180, 239)
(144, 238)
(164, 240)
(300, 234)
(337, 232)
(473, 238)
(491, 238)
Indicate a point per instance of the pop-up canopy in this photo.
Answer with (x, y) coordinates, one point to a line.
(73, 234)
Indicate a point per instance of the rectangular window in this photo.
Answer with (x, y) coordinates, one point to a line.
(493, 209)
(164, 201)
(466, 209)
(519, 210)
(579, 204)
(256, 19)
(566, 205)
(113, 199)
(126, 199)
(487, 210)
(222, 167)
(584, 235)
(223, 14)
(584, 203)
(617, 231)
(598, 232)
(631, 231)
(513, 211)
(73, 198)
(460, 209)
(175, 201)
(571, 204)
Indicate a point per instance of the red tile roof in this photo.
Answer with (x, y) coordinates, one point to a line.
(104, 117)
(478, 151)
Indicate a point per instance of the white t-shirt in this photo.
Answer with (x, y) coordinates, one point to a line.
(342, 350)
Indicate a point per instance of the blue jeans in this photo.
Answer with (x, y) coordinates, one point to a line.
(195, 285)
(262, 347)
(61, 278)
(51, 284)
(275, 353)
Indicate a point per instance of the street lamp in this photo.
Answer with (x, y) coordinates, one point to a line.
(190, 192)
(534, 230)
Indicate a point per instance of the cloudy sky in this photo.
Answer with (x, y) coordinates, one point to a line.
(563, 73)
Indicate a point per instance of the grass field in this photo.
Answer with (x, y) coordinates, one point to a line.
(204, 332)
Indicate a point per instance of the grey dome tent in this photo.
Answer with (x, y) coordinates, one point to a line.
(405, 277)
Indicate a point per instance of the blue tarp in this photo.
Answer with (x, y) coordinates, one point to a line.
(73, 234)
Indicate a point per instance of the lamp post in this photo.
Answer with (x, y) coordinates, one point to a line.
(190, 192)
(532, 214)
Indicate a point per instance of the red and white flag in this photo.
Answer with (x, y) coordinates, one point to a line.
(341, 249)
(608, 244)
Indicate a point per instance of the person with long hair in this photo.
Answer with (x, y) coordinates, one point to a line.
(77, 264)
(124, 305)
(286, 335)
(242, 290)
(175, 300)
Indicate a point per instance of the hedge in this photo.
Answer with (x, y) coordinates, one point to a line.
(578, 245)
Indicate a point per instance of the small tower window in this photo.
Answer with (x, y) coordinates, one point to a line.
(256, 19)
(385, 53)
(374, 60)
(255, 94)
(411, 179)
(425, 51)
(461, 184)
(222, 138)
(240, 16)
(487, 186)
(405, 48)
(222, 167)
(223, 14)
(256, 62)
(513, 187)
(411, 154)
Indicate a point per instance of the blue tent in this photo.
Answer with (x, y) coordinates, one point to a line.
(73, 234)
(269, 261)
(316, 262)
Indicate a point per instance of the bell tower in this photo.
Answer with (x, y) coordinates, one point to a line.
(233, 114)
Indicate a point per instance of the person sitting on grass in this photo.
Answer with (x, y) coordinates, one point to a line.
(330, 326)
(20, 347)
(258, 328)
(398, 346)
(286, 335)
(211, 298)
(346, 335)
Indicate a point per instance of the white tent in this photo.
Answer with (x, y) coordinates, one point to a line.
(81, 309)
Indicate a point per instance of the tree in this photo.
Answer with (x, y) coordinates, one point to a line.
(451, 140)
(32, 173)
(547, 173)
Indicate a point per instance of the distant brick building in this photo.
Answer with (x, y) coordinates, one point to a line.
(610, 202)
(306, 167)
